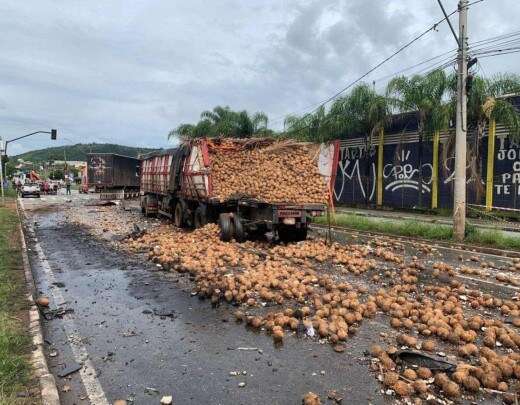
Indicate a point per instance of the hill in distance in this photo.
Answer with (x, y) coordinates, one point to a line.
(79, 152)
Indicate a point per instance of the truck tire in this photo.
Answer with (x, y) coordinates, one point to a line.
(226, 227)
(239, 233)
(178, 216)
(200, 218)
(300, 234)
(291, 233)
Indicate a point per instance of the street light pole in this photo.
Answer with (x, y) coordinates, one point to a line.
(459, 201)
(3, 150)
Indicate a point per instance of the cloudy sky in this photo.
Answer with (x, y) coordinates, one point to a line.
(129, 71)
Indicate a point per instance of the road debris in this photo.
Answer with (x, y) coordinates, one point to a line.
(311, 399)
(167, 400)
(430, 308)
(59, 312)
(69, 370)
(42, 301)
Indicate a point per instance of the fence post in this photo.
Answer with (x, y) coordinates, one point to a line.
(435, 170)
(490, 164)
(380, 167)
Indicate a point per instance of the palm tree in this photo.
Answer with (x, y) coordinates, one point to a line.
(312, 127)
(425, 95)
(487, 103)
(222, 121)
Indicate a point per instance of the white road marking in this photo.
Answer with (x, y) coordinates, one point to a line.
(88, 373)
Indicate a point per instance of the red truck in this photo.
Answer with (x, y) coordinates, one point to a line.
(177, 183)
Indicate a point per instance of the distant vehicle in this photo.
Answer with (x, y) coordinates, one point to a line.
(109, 172)
(30, 189)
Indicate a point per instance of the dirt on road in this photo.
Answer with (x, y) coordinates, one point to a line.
(150, 310)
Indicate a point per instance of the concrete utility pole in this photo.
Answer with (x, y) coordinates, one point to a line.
(459, 201)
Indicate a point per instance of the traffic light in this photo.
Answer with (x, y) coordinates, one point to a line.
(54, 134)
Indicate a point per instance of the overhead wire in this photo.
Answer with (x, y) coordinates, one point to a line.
(445, 63)
(315, 107)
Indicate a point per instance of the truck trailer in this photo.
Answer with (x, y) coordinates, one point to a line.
(180, 184)
(111, 172)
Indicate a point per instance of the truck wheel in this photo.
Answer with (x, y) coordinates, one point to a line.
(178, 217)
(226, 227)
(200, 217)
(240, 235)
(287, 233)
(300, 234)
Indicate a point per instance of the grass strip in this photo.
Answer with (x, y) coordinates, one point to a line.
(14, 341)
(410, 228)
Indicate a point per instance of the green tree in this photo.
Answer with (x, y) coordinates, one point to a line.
(363, 111)
(222, 121)
(486, 100)
(427, 96)
(312, 127)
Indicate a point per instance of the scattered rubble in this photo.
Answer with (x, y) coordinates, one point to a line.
(446, 339)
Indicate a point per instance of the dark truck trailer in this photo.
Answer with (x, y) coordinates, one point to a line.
(177, 183)
(109, 171)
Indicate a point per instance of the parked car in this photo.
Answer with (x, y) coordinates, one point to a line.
(30, 189)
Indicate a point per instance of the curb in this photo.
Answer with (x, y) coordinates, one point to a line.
(444, 244)
(48, 388)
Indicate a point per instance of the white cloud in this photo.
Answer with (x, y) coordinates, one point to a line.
(128, 72)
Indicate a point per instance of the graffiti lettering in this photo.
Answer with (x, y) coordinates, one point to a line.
(349, 169)
(403, 174)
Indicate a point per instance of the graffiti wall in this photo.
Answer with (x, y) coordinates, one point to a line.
(506, 173)
(355, 179)
(408, 169)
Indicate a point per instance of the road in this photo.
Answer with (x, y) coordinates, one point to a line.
(137, 333)
(130, 353)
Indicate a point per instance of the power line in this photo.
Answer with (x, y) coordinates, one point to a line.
(314, 107)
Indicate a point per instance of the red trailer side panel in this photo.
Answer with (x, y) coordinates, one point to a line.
(155, 174)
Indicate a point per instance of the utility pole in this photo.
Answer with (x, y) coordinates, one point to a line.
(459, 201)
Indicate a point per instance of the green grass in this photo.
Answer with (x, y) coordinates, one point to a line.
(10, 192)
(491, 238)
(14, 342)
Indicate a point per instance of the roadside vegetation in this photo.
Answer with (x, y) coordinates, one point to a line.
(14, 342)
(409, 228)
(430, 98)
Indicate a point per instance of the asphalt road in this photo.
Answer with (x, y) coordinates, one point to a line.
(138, 334)
(135, 332)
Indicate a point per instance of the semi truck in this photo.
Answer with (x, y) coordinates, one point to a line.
(110, 172)
(178, 183)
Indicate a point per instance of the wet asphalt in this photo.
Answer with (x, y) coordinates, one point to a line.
(146, 336)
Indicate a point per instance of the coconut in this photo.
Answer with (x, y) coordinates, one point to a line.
(451, 389)
(390, 378)
(311, 399)
(428, 345)
(42, 301)
(502, 386)
(410, 374)
(424, 373)
(376, 350)
(420, 387)
(402, 389)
